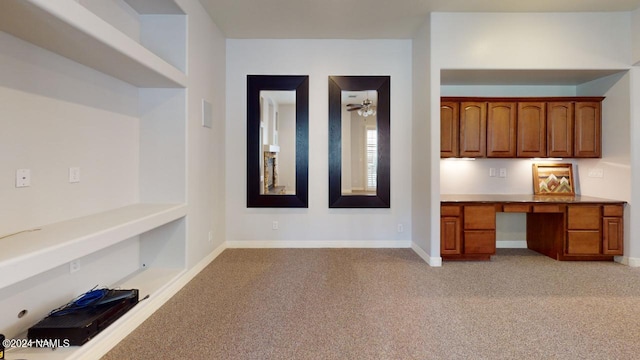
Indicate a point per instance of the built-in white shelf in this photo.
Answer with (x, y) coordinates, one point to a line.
(33, 252)
(148, 281)
(71, 30)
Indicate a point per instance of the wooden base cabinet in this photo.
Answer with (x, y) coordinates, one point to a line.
(580, 228)
(467, 232)
(612, 230)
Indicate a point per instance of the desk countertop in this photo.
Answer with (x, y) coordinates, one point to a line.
(525, 198)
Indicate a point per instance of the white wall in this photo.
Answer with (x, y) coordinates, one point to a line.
(287, 141)
(205, 146)
(531, 40)
(635, 36)
(319, 59)
(56, 114)
(425, 140)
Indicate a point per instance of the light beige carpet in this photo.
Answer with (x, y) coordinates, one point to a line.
(389, 304)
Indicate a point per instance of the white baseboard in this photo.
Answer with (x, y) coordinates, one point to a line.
(317, 244)
(111, 336)
(629, 261)
(511, 244)
(430, 260)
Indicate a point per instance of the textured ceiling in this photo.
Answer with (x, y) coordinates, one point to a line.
(368, 19)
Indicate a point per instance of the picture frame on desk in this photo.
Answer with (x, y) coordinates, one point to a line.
(553, 179)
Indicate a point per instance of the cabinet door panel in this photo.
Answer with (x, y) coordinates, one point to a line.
(473, 129)
(560, 129)
(583, 242)
(450, 236)
(612, 236)
(532, 130)
(501, 129)
(449, 126)
(587, 130)
(480, 242)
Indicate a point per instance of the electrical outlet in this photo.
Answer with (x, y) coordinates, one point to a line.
(23, 178)
(274, 225)
(210, 235)
(596, 172)
(400, 228)
(74, 174)
(74, 266)
(503, 173)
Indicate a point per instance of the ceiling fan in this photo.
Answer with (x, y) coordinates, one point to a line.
(365, 109)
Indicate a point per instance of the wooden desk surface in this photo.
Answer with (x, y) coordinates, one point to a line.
(525, 198)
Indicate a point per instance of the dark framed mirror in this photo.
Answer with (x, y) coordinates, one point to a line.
(277, 140)
(359, 142)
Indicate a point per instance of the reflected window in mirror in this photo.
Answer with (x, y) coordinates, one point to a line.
(359, 142)
(359, 159)
(277, 140)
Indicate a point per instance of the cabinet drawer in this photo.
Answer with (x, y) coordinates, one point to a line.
(480, 217)
(548, 208)
(447, 210)
(612, 210)
(516, 208)
(583, 217)
(583, 242)
(479, 242)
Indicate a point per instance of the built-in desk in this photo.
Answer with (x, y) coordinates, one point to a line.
(561, 227)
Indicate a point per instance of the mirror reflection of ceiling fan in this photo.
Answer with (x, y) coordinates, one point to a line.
(365, 109)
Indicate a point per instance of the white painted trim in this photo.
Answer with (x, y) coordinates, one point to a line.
(432, 261)
(281, 244)
(629, 261)
(111, 336)
(511, 244)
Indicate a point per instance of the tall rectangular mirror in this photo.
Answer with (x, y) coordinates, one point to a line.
(277, 140)
(359, 138)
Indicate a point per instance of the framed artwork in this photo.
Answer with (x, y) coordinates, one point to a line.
(553, 179)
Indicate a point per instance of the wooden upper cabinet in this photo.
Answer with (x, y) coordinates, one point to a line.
(560, 129)
(532, 129)
(501, 129)
(449, 126)
(520, 127)
(473, 129)
(587, 130)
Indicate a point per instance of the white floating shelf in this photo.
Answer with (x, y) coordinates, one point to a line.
(71, 30)
(33, 252)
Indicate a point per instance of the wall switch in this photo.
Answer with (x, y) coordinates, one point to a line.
(492, 172)
(503, 173)
(74, 174)
(74, 266)
(23, 178)
(596, 172)
(400, 228)
(210, 235)
(274, 225)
